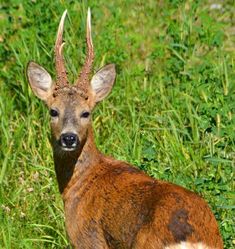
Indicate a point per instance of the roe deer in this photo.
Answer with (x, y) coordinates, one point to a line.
(109, 203)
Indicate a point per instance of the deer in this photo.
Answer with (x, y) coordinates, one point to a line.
(109, 203)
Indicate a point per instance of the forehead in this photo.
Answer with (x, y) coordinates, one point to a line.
(70, 97)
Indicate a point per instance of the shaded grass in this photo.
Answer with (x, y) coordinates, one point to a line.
(171, 112)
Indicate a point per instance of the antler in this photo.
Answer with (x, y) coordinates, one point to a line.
(59, 60)
(83, 79)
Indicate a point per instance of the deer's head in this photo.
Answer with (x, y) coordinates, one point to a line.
(70, 106)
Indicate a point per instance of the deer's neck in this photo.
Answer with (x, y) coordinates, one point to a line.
(70, 166)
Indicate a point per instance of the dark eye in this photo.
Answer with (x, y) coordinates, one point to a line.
(85, 114)
(54, 113)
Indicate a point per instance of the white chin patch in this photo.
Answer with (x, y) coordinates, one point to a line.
(68, 149)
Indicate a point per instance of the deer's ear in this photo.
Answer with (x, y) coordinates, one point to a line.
(40, 81)
(102, 82)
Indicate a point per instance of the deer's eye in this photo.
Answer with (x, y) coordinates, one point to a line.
(85, 115)
(54, 113)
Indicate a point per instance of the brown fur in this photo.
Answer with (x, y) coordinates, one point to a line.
(113, 205)
(109, 203)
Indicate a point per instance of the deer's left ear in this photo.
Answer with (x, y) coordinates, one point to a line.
(102, 82)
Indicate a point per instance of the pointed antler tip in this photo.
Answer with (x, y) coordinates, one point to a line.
(89, 10)
(61, 25)
(59, 44)
(89, 18)
(65, 12)
(89, 38)
(86, 69)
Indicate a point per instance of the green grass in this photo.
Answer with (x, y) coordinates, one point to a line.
(171, 112)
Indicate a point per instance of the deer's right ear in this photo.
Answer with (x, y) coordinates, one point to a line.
(40, 81)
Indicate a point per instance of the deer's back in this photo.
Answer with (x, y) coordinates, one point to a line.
(118, 206)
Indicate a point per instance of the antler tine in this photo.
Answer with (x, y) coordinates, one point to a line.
(59, 60)
(83, 78)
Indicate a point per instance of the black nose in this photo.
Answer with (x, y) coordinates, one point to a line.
(69, 140)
